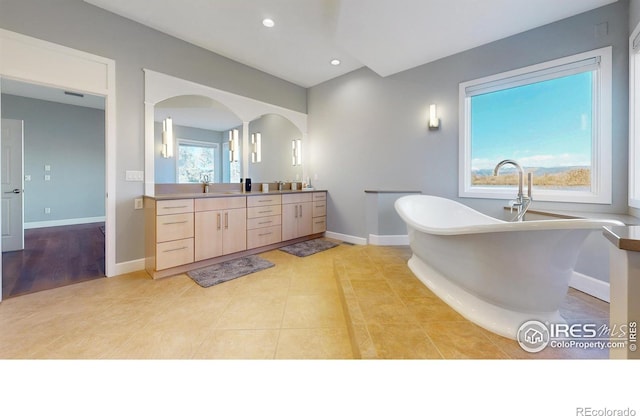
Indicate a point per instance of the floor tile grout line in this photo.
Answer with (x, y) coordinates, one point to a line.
(164, 296)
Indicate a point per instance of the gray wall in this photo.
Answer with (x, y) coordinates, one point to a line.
(277, 133)
(79, 25)
(71, 140)
(634, 14)
(366, 132)
(370, 132)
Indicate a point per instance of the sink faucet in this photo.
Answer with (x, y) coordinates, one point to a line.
(205, 184)
(522, 202)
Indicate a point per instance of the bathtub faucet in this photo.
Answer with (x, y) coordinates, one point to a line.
(522, 201)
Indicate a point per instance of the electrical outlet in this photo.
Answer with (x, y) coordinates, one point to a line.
(138, 203)
(27, 178)
(47, 177)
(47, 210)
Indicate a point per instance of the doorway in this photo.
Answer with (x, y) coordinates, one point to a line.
(63, 179)
(12, 187)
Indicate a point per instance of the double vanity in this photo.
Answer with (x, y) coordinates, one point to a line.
(237, 137)
(189, 231)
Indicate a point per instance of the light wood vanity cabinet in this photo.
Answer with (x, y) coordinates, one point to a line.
(264, 220)
(319, 212)
(184, 234)
(297, 215)
(220, 226)
(173, 229)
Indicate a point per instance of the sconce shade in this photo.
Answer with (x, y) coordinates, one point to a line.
(233, 145)
(167, 138)
(256, 142)
(296, 152)
(434, 121)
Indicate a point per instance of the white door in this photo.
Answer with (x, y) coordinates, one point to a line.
(12, 177)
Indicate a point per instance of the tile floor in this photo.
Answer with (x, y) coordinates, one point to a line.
(391, 314)
(347, 302)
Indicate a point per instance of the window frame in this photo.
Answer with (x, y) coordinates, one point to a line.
(198, 143)
(634, 118)
(601, 182)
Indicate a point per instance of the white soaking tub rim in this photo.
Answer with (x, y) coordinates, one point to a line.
(477, 222)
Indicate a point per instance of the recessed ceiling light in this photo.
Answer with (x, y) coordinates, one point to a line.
(335, 62)
(268, 22)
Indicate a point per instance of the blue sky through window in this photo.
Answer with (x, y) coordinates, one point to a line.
(546, 124)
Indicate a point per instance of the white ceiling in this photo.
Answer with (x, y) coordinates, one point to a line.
(41, 92)
(388, 36)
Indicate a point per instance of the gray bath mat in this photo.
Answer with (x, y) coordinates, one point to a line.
(228, 270)
(307, 248)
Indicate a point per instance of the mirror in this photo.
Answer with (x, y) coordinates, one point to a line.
(201, 128)
(275, 161)
(164, 93)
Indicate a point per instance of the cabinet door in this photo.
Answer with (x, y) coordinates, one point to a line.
(234, 224)
(208, 234)
(297, 220)
(289, 221)
(305, 219)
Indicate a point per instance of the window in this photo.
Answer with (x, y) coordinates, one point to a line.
(634, 118)
(196, 161)
(553, 118)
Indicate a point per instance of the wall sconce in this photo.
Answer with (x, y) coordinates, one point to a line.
(296, 152)
(434, 121)
(167, 138)
(233, 145)
(256, 141)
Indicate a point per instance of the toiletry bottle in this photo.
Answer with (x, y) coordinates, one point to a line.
(247, 184)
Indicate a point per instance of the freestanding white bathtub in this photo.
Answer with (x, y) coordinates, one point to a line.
(495, 273)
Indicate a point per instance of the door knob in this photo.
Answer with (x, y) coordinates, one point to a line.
(15, 191)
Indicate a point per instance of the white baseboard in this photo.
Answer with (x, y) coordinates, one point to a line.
(388, 240)
(591, 286)
(57, 223)
(128, 267)
(346, 238)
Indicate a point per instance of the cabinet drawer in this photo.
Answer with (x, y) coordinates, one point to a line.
(319, 196)
(296, 198)
(319, 208)
(261, 222)
(174, 227)
(266, 211)
(174, 206)
(262, 200)
(319, 225)
(174, 253)
(263, 236)
(214, 204)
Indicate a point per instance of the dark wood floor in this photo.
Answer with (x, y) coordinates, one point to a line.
(54, 257)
